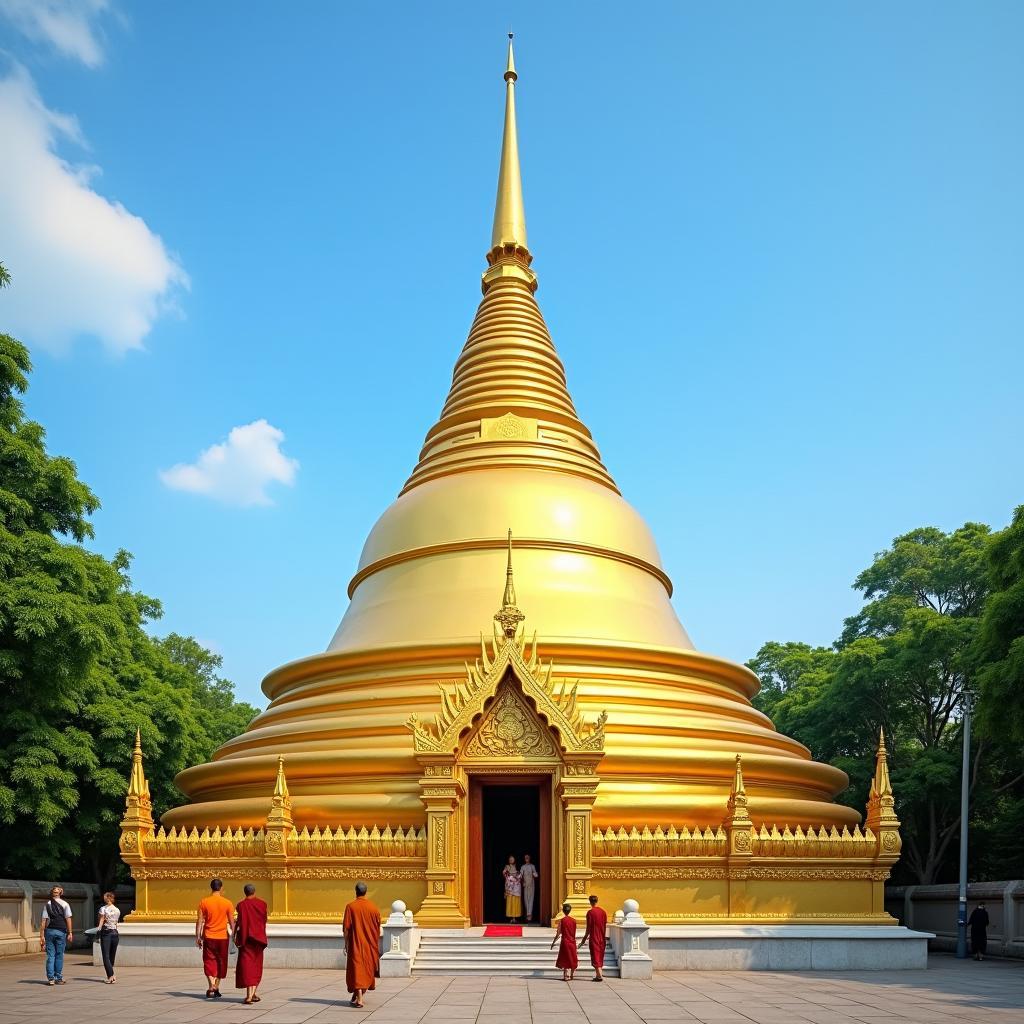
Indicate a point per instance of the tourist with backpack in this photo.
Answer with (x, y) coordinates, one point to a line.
(55, 934)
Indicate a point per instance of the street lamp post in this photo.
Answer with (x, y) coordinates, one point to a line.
(966, 699)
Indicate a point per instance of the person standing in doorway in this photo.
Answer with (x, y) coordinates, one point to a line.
(513, 891)
(566, 932)
(978, 923)
(214, 923)
(251, 940)
(361, 927)
(109, 916)
(55, 934)
(597, 926)
(528, 876)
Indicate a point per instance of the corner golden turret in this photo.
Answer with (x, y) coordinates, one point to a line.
(881, 816)
(625, 745)
(138, 807)
(280, 815)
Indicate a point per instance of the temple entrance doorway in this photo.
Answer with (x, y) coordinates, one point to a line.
(508, 816)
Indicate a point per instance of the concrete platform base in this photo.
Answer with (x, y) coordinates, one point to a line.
(672, 948)
(787, 948)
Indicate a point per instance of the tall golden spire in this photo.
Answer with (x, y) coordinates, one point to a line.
(509, 212)
(509, 404)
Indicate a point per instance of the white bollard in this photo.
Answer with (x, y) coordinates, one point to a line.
(399, 942)
(630, 935)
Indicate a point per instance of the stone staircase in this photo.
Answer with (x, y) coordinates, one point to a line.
(467, 953)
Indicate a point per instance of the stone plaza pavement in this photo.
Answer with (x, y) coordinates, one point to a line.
(950, 990)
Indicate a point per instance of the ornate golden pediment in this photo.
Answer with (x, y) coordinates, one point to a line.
(509, 729)
(463, 702)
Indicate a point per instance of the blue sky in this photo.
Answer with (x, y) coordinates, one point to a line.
(779, 250)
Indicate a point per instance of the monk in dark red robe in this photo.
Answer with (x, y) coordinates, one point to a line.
(251, 940)
(597, 925)
(565, 935)
(362, 945)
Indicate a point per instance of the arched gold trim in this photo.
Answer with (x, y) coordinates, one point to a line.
(493, 543)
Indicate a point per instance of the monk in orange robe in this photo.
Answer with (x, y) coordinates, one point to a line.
(251, 941)
(362, 945)
(566, 932)
(597, 925)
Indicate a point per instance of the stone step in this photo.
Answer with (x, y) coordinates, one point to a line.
(503, 971)
(529, 956)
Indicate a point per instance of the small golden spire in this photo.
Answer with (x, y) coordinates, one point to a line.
(280, 804)
(881, 784)
(137, 780)
(737, 805)
(281, 783)
(510, 616)
(509, 599)
(509, 211)
(138, 806)
(881, 808)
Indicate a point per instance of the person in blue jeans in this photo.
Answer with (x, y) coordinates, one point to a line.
(55, 934)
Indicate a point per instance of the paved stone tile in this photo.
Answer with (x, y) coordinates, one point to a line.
(950, 992)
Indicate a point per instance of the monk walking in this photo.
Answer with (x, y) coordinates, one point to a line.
(251, 940)
(362, 945)
(597, 925)
(566, 931)
(214, 923)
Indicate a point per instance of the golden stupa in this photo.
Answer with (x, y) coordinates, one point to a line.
(578, 721)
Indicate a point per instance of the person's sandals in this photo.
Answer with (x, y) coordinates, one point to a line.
(216, 993)
(209, 993)
(51, 982)
(248, 1002)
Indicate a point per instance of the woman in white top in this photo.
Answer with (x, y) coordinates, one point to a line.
(109, 915)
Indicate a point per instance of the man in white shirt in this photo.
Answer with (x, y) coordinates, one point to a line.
(55, 934)
(528, 874)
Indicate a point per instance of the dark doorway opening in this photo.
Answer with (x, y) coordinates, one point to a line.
(511, 827)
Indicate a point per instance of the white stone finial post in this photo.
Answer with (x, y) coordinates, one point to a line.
(630, 935)
(399, 942)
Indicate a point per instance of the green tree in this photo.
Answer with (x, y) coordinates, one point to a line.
(999, 651)
(901, 663)
(78, 671)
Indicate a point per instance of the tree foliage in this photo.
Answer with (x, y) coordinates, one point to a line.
(943, 612)
(79, 673)
(999, 651)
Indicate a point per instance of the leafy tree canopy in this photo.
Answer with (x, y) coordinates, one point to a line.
(999, 651)
(903, 663)
(78, 671)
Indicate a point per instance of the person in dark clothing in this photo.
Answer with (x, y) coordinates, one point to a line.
(978, 923)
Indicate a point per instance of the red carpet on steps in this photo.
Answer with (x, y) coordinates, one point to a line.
(504, 931)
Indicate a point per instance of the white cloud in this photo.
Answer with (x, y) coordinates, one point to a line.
(239, 470)
(81, 264)
(67, 25)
